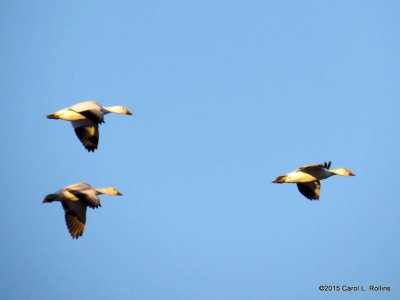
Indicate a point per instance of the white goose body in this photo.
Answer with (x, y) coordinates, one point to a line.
(308, 177)
(75, 199)
(307, 174)
(85, 118)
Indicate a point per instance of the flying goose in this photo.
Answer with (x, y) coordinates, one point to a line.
(75, 198)
(85, 117)
(308, 177)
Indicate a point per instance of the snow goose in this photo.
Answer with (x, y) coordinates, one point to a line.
(75, 199)
(308, 177)
(85, 117)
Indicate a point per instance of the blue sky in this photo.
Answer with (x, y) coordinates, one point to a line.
(226, 96)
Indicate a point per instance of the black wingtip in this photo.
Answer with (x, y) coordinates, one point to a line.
(327, 165)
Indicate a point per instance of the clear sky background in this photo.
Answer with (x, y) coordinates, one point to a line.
(226, 96)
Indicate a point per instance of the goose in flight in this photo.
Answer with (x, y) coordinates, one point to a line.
(85, 117)
(308, 177)
(75, 199)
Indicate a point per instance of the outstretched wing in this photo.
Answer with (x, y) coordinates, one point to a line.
(75, 225)
(75, 217)
(88, 133)
(310, 190)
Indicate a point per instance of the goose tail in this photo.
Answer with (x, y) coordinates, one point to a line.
(50, 198)
(280, 179)
(53, 116)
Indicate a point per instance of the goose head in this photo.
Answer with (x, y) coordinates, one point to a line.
(109, 191)
(118, 109)
(343, 172)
